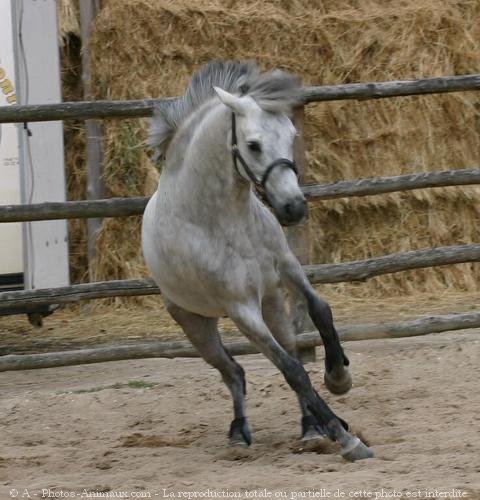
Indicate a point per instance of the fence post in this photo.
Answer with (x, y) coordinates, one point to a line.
(298, 237)
(93, 131)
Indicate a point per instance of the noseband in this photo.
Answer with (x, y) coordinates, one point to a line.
(259, 184)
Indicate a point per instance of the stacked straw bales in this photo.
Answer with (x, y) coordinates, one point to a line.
(143, 49)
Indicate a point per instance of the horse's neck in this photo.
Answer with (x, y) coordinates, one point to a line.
(205, 181)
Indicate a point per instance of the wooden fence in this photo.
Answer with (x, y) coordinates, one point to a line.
(144, 107)
(307, 340)
(119, 207)
(323, 273)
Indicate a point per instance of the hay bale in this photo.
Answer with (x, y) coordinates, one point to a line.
(68, 16)
(149, 49)
(74, 133)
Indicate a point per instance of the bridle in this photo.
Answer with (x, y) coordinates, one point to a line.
(258, 184)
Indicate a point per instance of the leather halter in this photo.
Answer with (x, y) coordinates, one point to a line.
(259, 184)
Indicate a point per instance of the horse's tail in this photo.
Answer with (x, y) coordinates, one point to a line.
(231, 76)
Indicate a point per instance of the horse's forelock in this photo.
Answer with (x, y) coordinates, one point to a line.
(275, 91)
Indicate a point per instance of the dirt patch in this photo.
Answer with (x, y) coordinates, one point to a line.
(138, 440)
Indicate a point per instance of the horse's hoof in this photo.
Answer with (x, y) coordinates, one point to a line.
(312, 435)
(339, 380)
(312, 438)
(239, 434)
(314, 442)
(352, 447)
(237, 443)
(310, 429)
(356, 450)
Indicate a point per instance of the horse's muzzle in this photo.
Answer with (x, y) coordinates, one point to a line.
(293, 212)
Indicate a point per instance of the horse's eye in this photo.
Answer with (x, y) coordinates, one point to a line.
(254, 146)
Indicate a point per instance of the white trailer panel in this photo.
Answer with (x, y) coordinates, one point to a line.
(11, 243)
(41, 144)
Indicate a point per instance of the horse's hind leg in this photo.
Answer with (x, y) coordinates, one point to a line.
(248, 318)
(278, 322)
(203, 334)
(337, 375)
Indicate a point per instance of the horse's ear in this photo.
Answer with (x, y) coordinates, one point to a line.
(232, 101)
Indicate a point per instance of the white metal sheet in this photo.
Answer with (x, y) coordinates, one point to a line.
(11, 251)
(41, 144)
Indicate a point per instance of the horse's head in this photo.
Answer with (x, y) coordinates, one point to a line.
(262, 150)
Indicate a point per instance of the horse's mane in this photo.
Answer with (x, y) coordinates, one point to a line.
(275, 91)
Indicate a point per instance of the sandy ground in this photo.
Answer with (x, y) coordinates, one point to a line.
(157, 428)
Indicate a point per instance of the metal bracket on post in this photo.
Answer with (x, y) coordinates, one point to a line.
(299, 241)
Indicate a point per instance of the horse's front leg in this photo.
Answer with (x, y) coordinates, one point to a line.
(337, 375)
(279, 324)
(249, 320)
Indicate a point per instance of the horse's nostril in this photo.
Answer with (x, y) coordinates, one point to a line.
(294, 210)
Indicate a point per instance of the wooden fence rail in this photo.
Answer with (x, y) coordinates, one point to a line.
(119, 207)
(319, 273)
(397, 88)
(144, 107)
(381, 185)
(112, 207)
(156, 349)
(360, 270)
(75, 293)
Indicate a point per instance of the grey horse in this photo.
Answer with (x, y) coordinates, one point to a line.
(215, 249)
